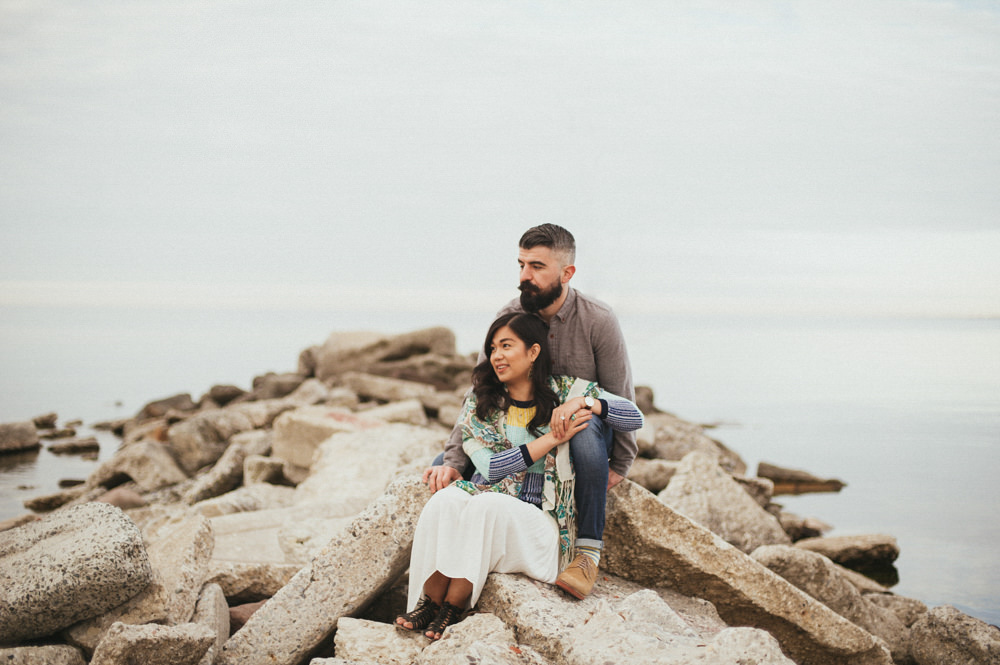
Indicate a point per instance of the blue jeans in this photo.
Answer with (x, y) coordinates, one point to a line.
(591, 450)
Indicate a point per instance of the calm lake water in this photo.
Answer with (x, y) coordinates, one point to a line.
(906, 412)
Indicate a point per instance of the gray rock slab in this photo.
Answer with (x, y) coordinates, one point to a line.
(480, 638)
(483, 639)
(153, 644)
(243, 582)
(862, 552)
(299, 432)
(212, 611)
(824, 580)
(247, 499)
(386, 389)
(409, 411)
(648, 542)
(201, 439)
(350, 572)
(55, 654)
(148, 463)
(704, 492)
(653, 474)
(674, 438)
(946, 636)
(358, 639)
(15, 437)
(635, 632)
(619, 622)
(908, 610)
(263, 469)
(179, 554)
(347, 351)
(72, 565)
(376, 455)
(227, 473)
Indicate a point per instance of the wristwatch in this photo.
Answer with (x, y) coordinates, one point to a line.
(588, 402)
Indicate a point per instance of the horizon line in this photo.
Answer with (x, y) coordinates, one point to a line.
(324, 297)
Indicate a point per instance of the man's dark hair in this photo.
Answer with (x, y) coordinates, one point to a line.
(555, 237)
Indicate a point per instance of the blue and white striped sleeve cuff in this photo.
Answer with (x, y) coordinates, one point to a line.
(622, 415)
(508, 462)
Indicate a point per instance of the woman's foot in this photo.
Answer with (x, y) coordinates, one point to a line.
(446, 616)
(425, 612)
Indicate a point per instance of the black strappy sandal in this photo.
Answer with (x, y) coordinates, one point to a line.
(448, 615)
(425, 611)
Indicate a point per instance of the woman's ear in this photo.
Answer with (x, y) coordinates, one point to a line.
(534, 351)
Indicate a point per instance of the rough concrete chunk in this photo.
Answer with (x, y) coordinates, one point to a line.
(364, 560)
(298, 433)
(202, 438)
(704, 492)
(864, 552)
(179, 554)
(152, 644)
(385, 389)
(47, 655)
(946, 636)
(212, 611)
(228, 471)
(376, 456)
(649, 542)
(653, 474)
(674, 438)
(358, 639)
(824, 580)
(74, 564)
(251, 582)
(15, 437)
(148, 463)
(619, 622)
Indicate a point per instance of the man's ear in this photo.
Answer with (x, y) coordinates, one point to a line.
(567, 273)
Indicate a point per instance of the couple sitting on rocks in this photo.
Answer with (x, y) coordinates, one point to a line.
(529, 504)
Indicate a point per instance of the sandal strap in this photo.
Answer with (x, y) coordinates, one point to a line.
(448, 615)
(425, 611)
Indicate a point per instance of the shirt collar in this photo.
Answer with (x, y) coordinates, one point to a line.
(568, 305)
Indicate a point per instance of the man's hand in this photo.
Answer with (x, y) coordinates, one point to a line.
(438, 477)
(613, 479)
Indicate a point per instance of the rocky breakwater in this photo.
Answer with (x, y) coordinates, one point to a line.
(274, 526)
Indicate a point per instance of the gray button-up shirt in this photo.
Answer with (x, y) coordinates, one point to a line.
(586, 342)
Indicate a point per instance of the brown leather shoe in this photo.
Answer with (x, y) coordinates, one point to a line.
(579, 577)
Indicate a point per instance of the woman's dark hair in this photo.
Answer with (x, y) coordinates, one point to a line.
(491, 394)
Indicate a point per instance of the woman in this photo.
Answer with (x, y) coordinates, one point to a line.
(516, 514)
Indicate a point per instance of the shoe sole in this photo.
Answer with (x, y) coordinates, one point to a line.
(570, 590)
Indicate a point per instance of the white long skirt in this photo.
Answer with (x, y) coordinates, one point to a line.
(469, 536)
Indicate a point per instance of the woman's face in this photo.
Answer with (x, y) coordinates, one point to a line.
(510, 356)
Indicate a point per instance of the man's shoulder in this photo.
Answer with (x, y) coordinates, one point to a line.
(593, 308)
(513, 306)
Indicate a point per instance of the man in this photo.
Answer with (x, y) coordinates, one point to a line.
(585, 340)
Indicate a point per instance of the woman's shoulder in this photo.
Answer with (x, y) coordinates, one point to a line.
(566, 386)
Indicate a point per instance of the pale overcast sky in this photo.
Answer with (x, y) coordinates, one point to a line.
(708, 155)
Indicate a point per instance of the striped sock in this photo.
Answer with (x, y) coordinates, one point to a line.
(594, 553)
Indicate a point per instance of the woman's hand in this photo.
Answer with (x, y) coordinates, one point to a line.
(574, 423)
(564, 415)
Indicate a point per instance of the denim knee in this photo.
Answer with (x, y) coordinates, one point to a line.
(591, 448)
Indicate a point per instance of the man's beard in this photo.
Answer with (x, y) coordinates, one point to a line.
(534, 299)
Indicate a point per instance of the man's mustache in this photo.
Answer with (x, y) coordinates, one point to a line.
(528, 287)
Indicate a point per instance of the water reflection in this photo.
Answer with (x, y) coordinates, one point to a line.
(20, 461)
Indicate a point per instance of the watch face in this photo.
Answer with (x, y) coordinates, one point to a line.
(589, 401)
